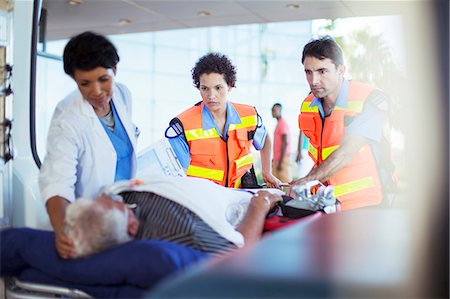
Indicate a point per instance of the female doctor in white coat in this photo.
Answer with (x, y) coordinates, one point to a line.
(91, 140)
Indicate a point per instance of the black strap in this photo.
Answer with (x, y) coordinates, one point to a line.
(251, 134)
(249, 180)
(259, 123)
(177, 126)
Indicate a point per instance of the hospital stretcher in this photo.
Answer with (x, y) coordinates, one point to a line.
(32, 268)
(127, 271)
(34, 273)
(16, 289)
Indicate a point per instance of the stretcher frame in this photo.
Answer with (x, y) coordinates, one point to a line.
(16, 289)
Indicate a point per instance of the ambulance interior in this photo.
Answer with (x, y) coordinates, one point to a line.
(399, 251)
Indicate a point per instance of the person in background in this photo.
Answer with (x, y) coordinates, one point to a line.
(281, 164)
(304, 161)
(190, 211)
(345, 122)
(212, 139)
(91, 140)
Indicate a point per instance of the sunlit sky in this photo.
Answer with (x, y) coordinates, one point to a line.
(389, 26)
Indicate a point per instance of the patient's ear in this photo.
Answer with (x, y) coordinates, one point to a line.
(133, 224)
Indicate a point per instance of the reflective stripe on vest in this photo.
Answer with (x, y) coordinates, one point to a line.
(245, 160)
(242, 162)
(353, 186)
(355, 106)
(205, 173)
(247, 121)
(196, 134)
(238, 183)
(313, 151)
(306, 108)
(328, 150)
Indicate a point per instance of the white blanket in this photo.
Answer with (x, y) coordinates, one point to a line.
(220, 207)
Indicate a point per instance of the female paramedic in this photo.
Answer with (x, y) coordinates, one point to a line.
(212, 139)
(91, 139)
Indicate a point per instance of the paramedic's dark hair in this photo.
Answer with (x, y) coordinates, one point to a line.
(214, 63)
(88, 51)
(322, 48)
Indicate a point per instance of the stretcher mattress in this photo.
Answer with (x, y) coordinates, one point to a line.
(126, 271)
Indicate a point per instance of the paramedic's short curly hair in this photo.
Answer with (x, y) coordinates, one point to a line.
(88, 51)
(214, 63)
(322, 48)
(94, 228)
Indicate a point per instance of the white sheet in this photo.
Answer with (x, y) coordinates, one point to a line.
(220, 207)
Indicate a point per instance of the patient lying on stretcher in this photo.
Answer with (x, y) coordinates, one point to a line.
(189, 211)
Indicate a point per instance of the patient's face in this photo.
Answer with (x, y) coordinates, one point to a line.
(107, 202)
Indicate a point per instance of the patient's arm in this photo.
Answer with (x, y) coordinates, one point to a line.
(252, 225)
(56, 209)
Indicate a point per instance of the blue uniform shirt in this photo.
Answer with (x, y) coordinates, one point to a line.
(181, 148)
(122, 144)
(369, 123)
(341, 100)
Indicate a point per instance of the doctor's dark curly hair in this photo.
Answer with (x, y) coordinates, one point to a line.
(214, 63)
(87, 51)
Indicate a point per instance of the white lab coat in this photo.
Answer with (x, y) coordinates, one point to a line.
(80, 157)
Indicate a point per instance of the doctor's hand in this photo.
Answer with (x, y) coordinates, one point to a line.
(56, 209)
(270, 180)
(64, 245)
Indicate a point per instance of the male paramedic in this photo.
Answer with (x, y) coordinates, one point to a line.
(345, 122)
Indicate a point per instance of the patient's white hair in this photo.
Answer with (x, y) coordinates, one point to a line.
(94, 228)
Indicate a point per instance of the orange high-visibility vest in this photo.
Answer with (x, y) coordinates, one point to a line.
(216, 159)
(358, 183)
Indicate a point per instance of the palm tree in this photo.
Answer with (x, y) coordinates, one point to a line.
(369, 59)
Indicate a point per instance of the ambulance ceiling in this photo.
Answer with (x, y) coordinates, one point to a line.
(69, 17)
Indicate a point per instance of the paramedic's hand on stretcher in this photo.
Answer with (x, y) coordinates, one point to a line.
(290, 192)
(342, 156)
(270, 180)
(56, 208)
